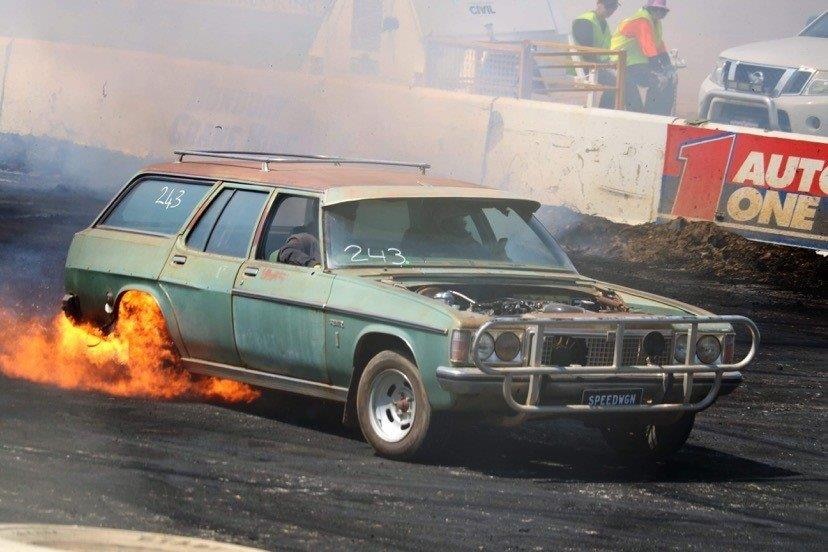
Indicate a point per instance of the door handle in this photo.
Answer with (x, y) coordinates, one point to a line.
(251, 271)
(179, 259)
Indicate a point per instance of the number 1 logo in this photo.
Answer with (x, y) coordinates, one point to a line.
(702, 179)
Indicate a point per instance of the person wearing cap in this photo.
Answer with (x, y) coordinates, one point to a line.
(592, 30)
(648, 63)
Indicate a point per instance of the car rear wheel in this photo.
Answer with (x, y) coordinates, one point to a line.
(643, 442)
(392, 406)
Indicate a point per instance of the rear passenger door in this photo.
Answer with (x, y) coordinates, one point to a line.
(202, 269)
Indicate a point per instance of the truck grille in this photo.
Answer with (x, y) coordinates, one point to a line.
(600, 350)
(757, 79)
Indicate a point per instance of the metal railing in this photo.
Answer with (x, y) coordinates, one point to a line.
(267, 158)
(552, 55)
(537, 329)
(487, 68)
(526, 69)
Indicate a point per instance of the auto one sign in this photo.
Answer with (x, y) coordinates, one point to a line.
(767, 188)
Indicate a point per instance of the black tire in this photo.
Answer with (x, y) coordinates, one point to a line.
(384, 365)
(648, 442)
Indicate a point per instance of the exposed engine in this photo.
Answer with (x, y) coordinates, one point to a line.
(525, 301)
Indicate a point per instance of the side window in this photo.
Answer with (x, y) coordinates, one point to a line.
(227, 226)
(290, 216)
(157, 206)
(201, 233)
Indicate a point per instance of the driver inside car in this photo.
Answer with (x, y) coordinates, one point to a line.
(300, 249)
(442, 235)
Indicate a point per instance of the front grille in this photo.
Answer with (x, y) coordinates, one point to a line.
(758, 79)
(600, 350)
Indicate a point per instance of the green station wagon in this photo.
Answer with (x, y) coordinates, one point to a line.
(399, 295)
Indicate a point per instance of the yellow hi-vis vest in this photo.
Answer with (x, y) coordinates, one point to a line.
(600, 38)
(630, 44)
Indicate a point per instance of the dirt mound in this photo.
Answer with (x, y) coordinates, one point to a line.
(700, 247)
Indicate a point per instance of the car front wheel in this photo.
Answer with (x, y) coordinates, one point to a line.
(643, 442)
(392, 406)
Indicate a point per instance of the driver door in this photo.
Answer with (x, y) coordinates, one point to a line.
(277, 307)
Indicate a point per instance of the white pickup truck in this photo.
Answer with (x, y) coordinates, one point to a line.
(775, 85)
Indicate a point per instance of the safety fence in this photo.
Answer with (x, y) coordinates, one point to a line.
(528, 69)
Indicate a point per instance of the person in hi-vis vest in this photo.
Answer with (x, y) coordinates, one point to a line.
(648, 63)
(591, 29)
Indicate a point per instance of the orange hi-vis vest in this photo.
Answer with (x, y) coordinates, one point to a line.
(640, 36)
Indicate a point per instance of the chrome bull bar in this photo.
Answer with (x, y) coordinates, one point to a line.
(537, 329)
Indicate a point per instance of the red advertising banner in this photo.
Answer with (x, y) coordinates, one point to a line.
(768, 188)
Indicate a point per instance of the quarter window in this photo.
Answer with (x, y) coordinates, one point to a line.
(201, 233)
(156, 206)
(227, 226)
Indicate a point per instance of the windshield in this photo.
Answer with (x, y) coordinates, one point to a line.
(440, 232)
(818, 28)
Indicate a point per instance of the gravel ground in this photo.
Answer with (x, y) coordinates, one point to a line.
(282, 473)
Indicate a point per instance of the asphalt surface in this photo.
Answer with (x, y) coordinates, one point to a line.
(282, 473)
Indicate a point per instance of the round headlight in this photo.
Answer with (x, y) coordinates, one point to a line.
(681, 348)
(654, 345)
(507, 346)
(708, 349)
(485, 346)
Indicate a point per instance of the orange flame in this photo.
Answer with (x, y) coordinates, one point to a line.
(137, 359)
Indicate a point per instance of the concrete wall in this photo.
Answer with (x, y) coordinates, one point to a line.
(598, 162)
(144, 105)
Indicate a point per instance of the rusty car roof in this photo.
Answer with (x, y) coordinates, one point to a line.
(336, 183)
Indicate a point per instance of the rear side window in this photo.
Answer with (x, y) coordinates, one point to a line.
(157, 206)
(227, 226)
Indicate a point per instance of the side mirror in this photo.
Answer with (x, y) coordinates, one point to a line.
(390, 24)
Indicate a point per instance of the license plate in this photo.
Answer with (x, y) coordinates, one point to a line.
(745, 123)
(613, 397)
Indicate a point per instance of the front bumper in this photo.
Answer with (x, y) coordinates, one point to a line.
(788, 113)
(539, 386)
(471, 381)
(475, 389)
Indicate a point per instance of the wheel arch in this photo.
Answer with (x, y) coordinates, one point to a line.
(370, 342)
(164, 303)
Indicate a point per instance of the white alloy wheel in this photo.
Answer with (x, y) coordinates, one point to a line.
(392, 405)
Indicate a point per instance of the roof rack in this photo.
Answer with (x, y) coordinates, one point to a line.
(266, 158)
